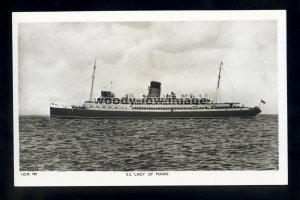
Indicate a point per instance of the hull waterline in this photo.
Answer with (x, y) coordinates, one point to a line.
(102, 114)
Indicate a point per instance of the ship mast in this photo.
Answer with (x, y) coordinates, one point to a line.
(218, 85)
(92, 87)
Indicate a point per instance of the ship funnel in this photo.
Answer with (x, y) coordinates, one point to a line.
(154, 89)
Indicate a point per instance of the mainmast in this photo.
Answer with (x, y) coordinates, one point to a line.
(219, 77)
(218, 85)
(92, 87)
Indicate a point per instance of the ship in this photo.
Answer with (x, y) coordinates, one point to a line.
(152, 105)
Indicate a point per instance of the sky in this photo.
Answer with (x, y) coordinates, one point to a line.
(56, 61)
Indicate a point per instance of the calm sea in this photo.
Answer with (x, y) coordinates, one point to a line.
(148, 144)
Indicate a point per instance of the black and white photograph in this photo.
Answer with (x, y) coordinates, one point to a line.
(150, 98)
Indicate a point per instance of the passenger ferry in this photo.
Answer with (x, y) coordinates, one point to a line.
(153, 105)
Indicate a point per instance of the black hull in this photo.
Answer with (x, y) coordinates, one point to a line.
(84, 113)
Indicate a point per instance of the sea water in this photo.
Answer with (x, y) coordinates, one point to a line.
(148, 144)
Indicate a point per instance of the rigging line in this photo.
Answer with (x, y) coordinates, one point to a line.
(71, 97)
(217, 97)
(229, 88)
(82, 97)
(205, 81)
(232, 88)
(77, 80)
(71, 91)
(76, 96)
(74, 84)
(120, 82)
(210, 94)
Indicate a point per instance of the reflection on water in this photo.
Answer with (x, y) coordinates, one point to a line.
(148, 144)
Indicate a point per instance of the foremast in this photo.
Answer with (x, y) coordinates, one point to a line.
(92, 87)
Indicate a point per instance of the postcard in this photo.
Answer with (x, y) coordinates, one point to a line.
(147, 98)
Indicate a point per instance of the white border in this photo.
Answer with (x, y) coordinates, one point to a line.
(70, 178)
